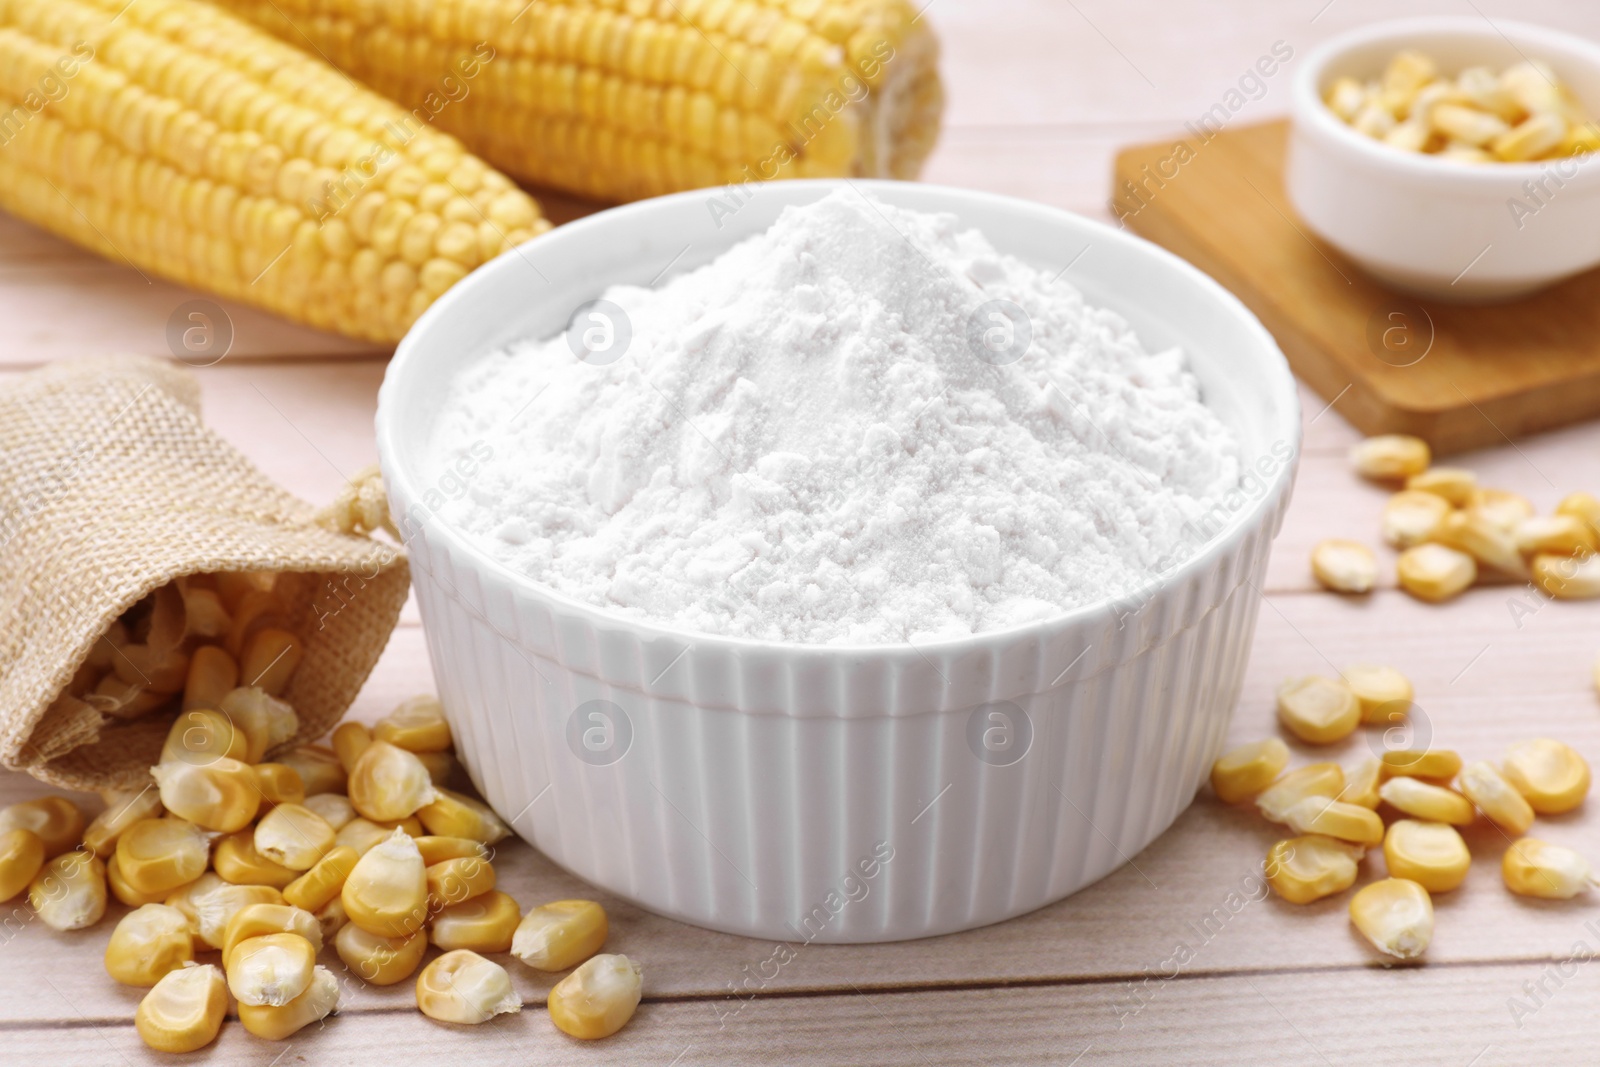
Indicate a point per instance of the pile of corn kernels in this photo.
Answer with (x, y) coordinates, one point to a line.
(1452, 533)
(1523, 113)
(266, 861)
(1426, 794)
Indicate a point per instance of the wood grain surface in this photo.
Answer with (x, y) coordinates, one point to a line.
(1175, 958)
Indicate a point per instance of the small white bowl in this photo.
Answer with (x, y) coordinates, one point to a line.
(1433, 227)
(851, 794)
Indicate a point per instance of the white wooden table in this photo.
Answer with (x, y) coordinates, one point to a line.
(1169, 960)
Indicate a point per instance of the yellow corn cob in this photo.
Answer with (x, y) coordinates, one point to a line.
(619, 100)
(183, 140)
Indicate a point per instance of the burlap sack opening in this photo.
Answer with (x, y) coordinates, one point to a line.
(111, 486)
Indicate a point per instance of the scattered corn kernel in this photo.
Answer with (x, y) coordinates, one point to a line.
(380, 960)
(319, 769)
(238, 861)
(1432, 854)
(183, 898)
(276, 1022)
(438, 849)
(1391, 457)
(1304, 869)
(1384, 693)
(270, 969)
(1361, 784)
(388, 783)
(1489, 544)
(441, 766)
(1559, 535)
(257, 920)
(123, 893)
(1395, 915)
(458, 880)
(267, 722)
(294, 836)
(1344, 566)
(1410, 518)
(149, 942)
(417, 725)
(361, 834)
(184, 1010)
(202, 735)
(463, 987)
(1497, 798)
(561, 934)
(1312, 780)
(21, 857)
(1534, 868)
(350, 739)
(335, 809)
(598, 998)
(1453, 485)
(123, 809)
(1334, 818)
(1421, 763)
(1551, 776)
(486, 923)
(451, 814)
(212, 675)
(1318, 710)
(1567, 577)
(56, 820)
(1501, 507)
(323, 882)
(1435, 573)
(387, 890)
(1243, 772)
(280, 783)
(219, 795)
(69, 892)
(270, 659)
(1426, 801)
(1585, 507)
(216, 907)
(159, 855)
(332, 918)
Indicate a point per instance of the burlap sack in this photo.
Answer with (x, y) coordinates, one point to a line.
(111, 486)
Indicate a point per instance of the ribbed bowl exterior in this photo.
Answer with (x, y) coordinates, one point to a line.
(810, 793)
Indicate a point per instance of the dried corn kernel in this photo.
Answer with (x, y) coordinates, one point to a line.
(463, 987)
(1408, 71)
(1467, 125)
(1345, 98)
(361, 834)
(184, 1010)
(1435, 573)
(1344, 566)
(561, 934)
(1304, 869)
(387, 891)
(1390, 457)
(267, 722)
(123, 893)
(1558, 535)
(276, 1022)
(323, 882)
(1243, 772)
(598, 998)
(69, 892)
(1501, 508)
(237, 860)
(160, 855)
(212, 675)
(219, 795)
(389, 783)
(1361, 784)
(1384, 693)
(1567, 577)
(123, 809)
(1318, 710)
(1431, 854)
(1491, 545)
(486, 923)
(149, 942)
(270, 659)
(201, 736)
(1333, 818)
(1585, 507)
(380, 960)
(1395, 915)
(418, 725)
(294, 836)
(280, 783)
(458, 880)
(1534, 136)
(1497, 798)
(451, 814)
(350, 739)
(1453, 485)
(336, 810)
(270, 969)
(216, 907)
(1410, 518)
(1534, 868)
(441, 767)
(21, 857)
(183, 898)
(1551, 776)
(1312, 780)
(1426, 801)
(257, 920)
(1421, 763)
(319, 769)
(56, 820)
(438, 849)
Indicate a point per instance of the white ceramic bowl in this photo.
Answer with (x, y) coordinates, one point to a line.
(839, 794)
(1429, 226)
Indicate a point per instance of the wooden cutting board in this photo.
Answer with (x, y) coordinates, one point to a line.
(1459, 377)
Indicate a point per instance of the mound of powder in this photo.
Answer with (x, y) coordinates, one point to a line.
(822, 436)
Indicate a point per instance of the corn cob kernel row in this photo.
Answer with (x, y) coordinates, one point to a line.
(191, 144)
(618, 101)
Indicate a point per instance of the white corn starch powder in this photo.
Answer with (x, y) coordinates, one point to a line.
(830, 434)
